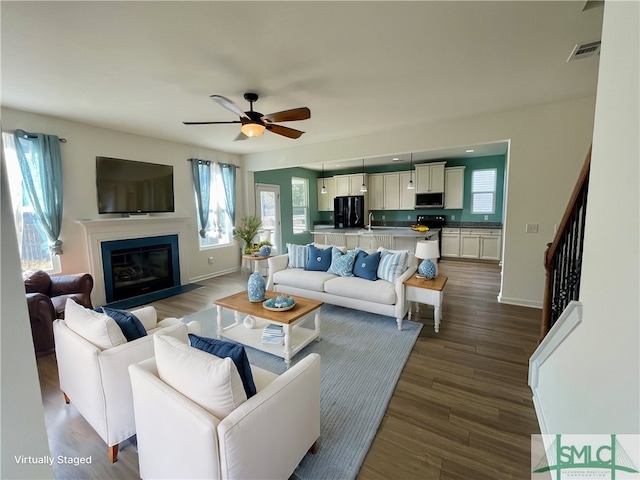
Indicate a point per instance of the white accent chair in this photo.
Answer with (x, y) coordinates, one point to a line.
(265, 437)
(97, 381)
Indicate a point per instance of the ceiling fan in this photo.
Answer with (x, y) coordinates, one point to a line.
(254, 123)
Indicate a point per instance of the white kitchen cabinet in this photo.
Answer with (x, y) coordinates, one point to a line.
(430, 177)
(349, 184)
(407, 197)
(384, 191)
(391, 191)
(454, 187)
(375, 186)
(325, 202)
(469, 244)
(450, 242)
(490, 245)
(481, 243)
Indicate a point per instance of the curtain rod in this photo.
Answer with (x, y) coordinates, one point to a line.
(62, 140)
(213, 161)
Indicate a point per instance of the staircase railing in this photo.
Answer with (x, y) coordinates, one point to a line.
(563, 257)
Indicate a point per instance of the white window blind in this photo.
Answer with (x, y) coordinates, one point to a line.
(483, 191)
(300, 204)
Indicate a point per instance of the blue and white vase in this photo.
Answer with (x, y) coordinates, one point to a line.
(265, 251)
(256, 287)
(427, 269)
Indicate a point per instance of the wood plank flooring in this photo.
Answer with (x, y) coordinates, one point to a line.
(461, 410)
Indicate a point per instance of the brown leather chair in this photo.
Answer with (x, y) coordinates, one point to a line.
(46, 299)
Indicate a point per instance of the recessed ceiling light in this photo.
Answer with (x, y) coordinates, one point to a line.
(395, 159)
(471, 150)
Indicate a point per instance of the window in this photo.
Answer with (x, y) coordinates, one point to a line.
(33, 243)
(483, 191)
(300, 204)
(219, 227)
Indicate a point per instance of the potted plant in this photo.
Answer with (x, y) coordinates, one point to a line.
(246, 231)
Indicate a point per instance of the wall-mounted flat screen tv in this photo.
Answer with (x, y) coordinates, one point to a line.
(127, 186)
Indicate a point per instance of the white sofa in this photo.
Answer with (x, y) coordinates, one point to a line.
(97, 380)
(379, 296)
(264, 437)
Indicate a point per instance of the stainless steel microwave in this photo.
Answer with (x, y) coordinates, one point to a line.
(429, 200)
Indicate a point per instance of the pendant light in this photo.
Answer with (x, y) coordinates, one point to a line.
(363, 188)
(410, 185)
(324, 189)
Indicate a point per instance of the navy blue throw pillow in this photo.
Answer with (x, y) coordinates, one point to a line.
(319, 260)
(223, 349)
(130, 325)
(366, 266)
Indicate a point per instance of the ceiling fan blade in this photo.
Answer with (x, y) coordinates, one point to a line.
(210, 123)
(302, 113)
(284, 131)
(228, 104)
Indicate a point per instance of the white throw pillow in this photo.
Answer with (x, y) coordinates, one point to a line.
(211, 382)
(98, 328)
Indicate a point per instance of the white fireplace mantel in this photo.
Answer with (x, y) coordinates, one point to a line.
(105, 230)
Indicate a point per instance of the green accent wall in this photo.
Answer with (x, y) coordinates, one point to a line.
(282, 178)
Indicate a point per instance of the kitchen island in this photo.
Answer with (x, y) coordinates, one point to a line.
(394, 238)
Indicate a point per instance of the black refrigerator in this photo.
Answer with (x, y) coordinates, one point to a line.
(348, 212)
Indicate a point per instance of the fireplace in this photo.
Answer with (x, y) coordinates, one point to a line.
(140, 266)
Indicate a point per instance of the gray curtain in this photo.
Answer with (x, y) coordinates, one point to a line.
(201, 171)
(41, 167)
(229, 182)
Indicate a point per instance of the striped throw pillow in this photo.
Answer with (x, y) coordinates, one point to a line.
(392, 265)
(298, 255)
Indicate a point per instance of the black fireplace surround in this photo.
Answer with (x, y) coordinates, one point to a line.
(140, 266)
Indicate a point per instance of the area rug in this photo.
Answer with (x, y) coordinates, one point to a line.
(362, 356)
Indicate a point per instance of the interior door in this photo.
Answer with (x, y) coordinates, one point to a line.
(268, 210)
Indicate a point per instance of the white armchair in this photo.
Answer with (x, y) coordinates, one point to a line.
(264, 437)
(97, 380)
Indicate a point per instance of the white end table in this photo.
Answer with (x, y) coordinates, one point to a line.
(428, 292)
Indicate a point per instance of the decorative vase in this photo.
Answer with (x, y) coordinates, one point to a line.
(256, 287)
(265, 251)
(427, 269)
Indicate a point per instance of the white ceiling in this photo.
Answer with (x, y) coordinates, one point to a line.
(361, 67)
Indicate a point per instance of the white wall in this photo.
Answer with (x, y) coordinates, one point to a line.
(84, 143)
(22, 416)
(548, 145)
(591, 384)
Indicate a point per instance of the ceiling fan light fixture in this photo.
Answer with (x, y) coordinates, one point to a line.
(252, 129)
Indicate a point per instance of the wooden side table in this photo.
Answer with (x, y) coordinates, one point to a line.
(428, 292)
(252, 261)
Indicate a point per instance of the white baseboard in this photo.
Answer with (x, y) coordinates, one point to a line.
(519, 302)
(212, 275)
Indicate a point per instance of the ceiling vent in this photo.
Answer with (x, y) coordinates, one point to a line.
(584, 50)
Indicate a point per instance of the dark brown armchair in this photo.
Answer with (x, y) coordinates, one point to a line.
(46, 299)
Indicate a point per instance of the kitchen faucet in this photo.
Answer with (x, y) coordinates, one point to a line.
(370, 218)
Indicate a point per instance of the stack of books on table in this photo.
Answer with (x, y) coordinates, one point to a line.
(273, 335)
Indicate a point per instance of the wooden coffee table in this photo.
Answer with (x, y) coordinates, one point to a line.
(296, 337)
